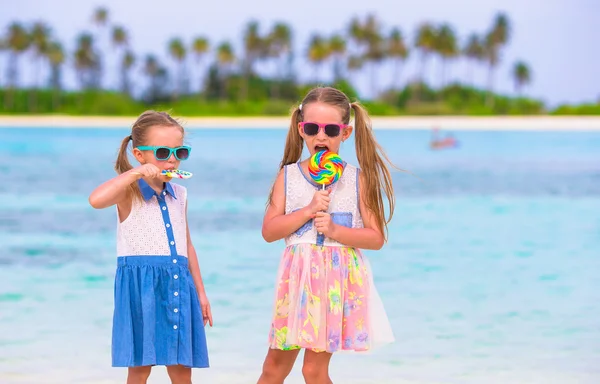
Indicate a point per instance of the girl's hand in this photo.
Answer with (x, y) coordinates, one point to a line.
(324, 225)
(206, 312)
(319, 202)
(148, 170)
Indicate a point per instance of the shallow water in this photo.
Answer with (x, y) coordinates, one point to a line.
(490, 275)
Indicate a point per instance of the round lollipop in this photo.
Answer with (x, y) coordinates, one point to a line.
(325, 167)
(177, 173)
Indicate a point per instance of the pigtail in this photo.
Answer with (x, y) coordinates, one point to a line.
(293, 145)
(293, 142)
(375, 173)
(123, 165)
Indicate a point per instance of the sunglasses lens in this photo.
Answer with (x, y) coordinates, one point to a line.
(163, 153)
(332, 130)
(311, 129)
(182, 153)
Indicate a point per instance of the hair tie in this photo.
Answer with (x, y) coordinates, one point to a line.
(130, 137)
(300, 106)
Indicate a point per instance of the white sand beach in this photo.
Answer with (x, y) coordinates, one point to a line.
(538, 123)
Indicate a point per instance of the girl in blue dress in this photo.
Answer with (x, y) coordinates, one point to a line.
(161, 307)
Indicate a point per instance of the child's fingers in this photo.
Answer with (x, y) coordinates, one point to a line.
(208, 316)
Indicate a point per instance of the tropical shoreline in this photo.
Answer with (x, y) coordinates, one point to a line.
(458, 123)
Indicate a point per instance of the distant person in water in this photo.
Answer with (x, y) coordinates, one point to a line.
(440, 143)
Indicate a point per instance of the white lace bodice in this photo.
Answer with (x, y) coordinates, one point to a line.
(343, 207)
(156, 226)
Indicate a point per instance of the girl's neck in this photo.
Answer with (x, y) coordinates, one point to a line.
(156, 185)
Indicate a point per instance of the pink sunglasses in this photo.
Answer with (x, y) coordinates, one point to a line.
(330, 129)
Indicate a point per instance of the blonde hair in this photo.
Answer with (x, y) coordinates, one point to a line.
(371, 156)
(139, 132)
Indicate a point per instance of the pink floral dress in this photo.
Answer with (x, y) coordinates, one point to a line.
(325, 297)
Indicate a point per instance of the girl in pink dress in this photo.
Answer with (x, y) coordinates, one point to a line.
(325, 297)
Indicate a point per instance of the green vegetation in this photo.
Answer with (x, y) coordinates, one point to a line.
(213, 80)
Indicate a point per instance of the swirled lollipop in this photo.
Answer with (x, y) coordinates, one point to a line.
(177, 173)
(325, 167)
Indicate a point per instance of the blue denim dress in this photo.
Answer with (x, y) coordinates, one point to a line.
(157, 316)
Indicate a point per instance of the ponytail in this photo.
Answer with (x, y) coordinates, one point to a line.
(123, 165)
(293, 142)
(375, 173)
(293, 145)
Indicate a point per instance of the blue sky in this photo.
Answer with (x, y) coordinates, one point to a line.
(558, 38)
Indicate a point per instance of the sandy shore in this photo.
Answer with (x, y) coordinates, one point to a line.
(542, 123)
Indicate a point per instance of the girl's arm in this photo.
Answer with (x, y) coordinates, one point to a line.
(369, 237)
(194, 268)
(113, 191)
(276, 224)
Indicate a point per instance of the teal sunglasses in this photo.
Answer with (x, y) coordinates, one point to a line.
(164, 153)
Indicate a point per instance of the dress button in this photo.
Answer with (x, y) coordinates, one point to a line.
(172, 243)
(174, 261)
(164, 193)
(176, 293)
(175, 277)
(164, 208)
(174, 327)
(168, 225)
(176, 310)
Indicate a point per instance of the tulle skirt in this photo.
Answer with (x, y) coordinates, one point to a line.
(326, 301)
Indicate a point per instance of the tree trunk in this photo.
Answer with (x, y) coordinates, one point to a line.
(489, 100)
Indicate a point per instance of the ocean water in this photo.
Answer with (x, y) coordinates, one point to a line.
(491, 273)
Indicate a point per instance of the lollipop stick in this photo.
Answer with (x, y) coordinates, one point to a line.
(323, 211)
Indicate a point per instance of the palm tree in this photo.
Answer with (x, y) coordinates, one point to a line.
(127, 62)
(255, 48)
(225, 59)
(522, 76)
(100, 16)
(200, 47)
(100, 19)
(337, 47)
(447, 47)
(152, 70)
(376, 50)
(397, 51)
(496, 38)
(119, 36)
(370, 44)
(3, 47)
(356, 33)
(279, 43)
(40, 41)
(178, 51)
(318, 52)
(17, 42)
(375, 54)
(56, 58)
(86, 61)
(474, 52)
(120, 40)
(425, 42)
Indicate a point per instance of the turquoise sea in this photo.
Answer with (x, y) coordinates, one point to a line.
(491, 273)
